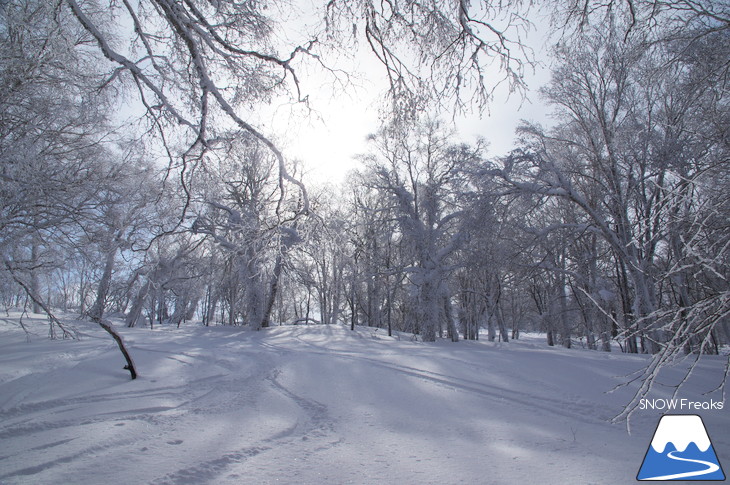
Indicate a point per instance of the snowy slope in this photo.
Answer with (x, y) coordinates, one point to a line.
(320, 404)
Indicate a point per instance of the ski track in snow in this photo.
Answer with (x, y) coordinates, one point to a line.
(317, 425)
(211, 395)
(564, 407)
(310, 405)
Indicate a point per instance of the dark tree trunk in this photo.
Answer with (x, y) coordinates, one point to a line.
(118, 338)
(97, 311)
(273, 289)
(35, 285)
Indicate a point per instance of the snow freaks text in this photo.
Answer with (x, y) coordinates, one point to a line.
(664, 404)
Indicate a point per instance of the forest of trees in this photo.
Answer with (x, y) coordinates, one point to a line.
(136, 183)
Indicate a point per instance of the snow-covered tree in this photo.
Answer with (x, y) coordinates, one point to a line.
(639, 133)
(253, 228)
(424, 177)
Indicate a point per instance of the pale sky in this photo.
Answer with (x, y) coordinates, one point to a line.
(328, 138)
(328, 141)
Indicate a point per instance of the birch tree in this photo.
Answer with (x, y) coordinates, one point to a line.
(483, 272)
(252, 228)
(639, 133)
(425, 179)
(53, 130)
(597, 88)
(320, 259)
(375, 268)
(117, 222)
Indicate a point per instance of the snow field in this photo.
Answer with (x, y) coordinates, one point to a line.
(321, 404)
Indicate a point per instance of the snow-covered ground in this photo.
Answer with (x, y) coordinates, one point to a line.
(320, 404)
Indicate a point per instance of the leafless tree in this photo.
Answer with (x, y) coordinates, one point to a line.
(425, 180)
(253, 229)
(640, 132)
(453, 54)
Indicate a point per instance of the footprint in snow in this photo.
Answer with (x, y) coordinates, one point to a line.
(175, 442)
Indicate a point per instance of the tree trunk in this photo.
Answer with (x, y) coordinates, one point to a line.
(606, 341)
(337, 292)
(503, 333)
(138, 305)
(97, 310)
(353, 305)
(192, 307)
(213, 296)
(35, 285)
(429, 308)
(273, 289)
(179, 313)
(491, 332)
(451, 329)
(118, 338)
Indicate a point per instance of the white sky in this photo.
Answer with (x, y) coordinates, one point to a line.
(327, 141)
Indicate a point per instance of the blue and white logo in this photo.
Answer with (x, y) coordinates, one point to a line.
(680, 450)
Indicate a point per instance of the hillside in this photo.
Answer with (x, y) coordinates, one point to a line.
(321, 404)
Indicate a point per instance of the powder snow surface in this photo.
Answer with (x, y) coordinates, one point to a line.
(321, 404)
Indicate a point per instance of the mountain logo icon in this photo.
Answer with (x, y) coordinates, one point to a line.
(681, 450)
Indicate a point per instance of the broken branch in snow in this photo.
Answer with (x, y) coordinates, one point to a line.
(118, 338)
